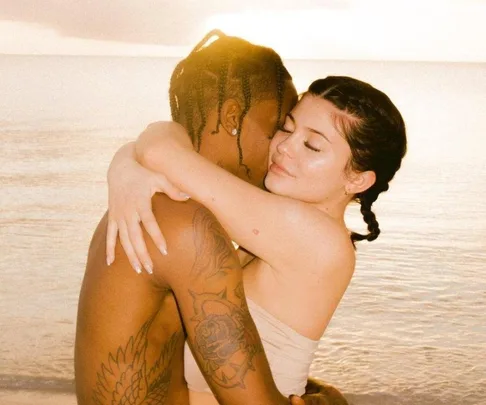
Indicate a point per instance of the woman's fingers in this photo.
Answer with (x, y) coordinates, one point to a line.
(127, 246)
(136, 238)
(152, 227)
(314, 399)
(296, 400)
(111, 234)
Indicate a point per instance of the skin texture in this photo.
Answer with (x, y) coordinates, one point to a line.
(129, 340)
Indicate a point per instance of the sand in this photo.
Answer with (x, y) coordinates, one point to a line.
(36, 398)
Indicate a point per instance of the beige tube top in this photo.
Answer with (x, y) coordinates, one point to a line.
(289, 355)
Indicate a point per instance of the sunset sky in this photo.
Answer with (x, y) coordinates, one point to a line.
(444, 30)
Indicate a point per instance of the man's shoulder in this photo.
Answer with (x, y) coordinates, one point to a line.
(191, 231)
(98, 239)
(177, 216)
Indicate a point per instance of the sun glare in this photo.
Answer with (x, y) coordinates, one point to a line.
(258, 27)
(356, 29)
(365, 30)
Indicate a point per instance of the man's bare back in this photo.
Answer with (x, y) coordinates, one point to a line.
(130, 339)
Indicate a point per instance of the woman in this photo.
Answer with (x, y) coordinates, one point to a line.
(343, 141)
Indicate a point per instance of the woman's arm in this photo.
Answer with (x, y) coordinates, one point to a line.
(280, 230)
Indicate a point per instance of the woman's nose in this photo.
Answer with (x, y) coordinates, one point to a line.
(286, 146)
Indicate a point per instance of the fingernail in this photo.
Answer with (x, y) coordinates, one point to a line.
(109, 261)
(137, 268)
(184, 195)
(148, 268)
(163, 250)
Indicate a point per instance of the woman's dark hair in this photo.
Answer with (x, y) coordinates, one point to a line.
(228, 67)
(375, 132)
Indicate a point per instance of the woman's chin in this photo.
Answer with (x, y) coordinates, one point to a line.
(274, 185)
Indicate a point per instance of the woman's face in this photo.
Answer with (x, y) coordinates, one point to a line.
(308, 156)
(258, 129)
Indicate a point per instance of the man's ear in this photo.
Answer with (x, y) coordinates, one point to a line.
(230, 116)
(359, 182)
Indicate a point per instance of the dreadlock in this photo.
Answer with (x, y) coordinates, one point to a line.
(215, 70)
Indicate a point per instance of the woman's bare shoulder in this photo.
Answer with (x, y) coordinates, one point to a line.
(327, 240)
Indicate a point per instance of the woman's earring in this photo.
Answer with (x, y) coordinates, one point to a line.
(234, 132)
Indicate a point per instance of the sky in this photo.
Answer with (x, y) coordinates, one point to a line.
(429, 30)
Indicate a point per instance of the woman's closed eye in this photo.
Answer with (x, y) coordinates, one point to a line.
(309, 146)
(283, 129)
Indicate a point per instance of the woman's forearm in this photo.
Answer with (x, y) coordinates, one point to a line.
(256, 219)
(122, 155)
(277, 229)
(165, 148)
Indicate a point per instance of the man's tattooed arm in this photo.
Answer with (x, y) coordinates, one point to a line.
(214, 250)
(220, 330)
(223, 344)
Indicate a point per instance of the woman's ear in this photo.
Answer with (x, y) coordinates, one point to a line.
(359, 182)
(230, 116)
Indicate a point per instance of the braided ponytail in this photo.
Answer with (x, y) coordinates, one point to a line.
(366, 200)
(245, 84)
(223, 76)
(375, 135)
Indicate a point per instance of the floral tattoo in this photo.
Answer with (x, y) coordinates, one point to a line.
(225, 342)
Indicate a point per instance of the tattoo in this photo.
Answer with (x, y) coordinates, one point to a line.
(223, 342)
(213, 248)
(127, 379)
(225, 339)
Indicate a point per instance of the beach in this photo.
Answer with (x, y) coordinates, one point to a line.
(35, 397)
(411, 329)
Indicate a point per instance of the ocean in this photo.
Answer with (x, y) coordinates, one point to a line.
(411, 328)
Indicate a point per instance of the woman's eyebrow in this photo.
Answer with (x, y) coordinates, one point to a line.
(319, 133)
(292, 118)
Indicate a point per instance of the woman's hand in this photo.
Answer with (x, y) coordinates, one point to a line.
(319, 393)
(131, 188)
(314, 399)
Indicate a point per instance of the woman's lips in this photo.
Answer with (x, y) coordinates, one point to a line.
(277, 169)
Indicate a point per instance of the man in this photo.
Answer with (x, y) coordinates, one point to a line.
(130, 336)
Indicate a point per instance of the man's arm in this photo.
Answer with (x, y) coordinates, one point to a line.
(203, 271)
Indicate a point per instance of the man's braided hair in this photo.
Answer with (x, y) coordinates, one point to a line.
(228, 67)
(375, 132)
